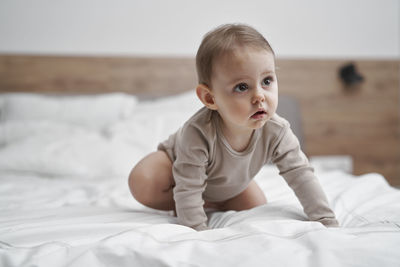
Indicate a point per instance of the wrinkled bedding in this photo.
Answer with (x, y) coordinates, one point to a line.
(64, 199)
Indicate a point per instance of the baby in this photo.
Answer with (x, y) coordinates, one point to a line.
(211, 160)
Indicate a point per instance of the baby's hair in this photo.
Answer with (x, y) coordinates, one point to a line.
(223, 40)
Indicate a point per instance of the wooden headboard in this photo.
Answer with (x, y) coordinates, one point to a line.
(362, 121)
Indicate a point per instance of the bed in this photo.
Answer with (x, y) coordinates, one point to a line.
(64, 199)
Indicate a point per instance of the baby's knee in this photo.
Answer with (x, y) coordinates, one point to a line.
(144, 186)
(137, 184)
(151, 179)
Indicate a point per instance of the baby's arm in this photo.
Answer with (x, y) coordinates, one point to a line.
(189, 171)
(296, 170)
(188, 198)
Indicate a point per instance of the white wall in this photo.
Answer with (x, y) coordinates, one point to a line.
(308, 28)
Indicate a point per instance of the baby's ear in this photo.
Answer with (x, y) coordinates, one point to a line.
(206, 96)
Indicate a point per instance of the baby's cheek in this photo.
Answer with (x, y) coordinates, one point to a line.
(240, 110)
(272, 103)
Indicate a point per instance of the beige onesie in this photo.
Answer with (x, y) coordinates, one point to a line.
(205, 167)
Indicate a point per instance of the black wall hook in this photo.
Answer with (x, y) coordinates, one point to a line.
(349, 75)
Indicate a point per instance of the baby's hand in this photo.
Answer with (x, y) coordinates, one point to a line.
(201, 227)
(329, 222)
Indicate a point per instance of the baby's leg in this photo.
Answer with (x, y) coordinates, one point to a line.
(251, 197)
(151, 181)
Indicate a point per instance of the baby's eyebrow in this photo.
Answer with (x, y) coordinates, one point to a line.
(238, 80)
(268, 72)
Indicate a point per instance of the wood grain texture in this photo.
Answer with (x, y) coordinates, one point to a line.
(363, 122)
(88, 75)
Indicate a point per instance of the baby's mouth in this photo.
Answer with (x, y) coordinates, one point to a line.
(259, 114)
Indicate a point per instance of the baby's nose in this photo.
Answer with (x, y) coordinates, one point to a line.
(258, 96)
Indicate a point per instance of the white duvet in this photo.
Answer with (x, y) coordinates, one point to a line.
(64, 199)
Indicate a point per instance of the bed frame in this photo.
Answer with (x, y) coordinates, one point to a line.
(361, 120)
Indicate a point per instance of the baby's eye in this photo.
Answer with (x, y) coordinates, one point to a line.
(267, 81)
(241, 87)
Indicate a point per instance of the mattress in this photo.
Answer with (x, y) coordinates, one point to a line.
(64, 198)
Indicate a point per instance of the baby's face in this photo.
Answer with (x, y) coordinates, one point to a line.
(245, 88)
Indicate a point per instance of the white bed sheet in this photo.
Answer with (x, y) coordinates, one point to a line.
(64, 201)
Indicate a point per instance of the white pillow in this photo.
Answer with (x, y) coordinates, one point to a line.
(95, 111)
(57, 149)
(159, 118)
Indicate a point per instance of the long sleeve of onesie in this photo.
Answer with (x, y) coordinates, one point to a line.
(189, 171)
(295, 169)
